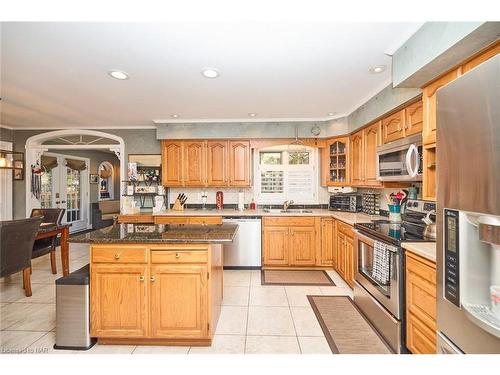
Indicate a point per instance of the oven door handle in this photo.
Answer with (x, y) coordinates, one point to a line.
(369, 241)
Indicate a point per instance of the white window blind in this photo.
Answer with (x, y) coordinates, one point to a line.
(282, 174)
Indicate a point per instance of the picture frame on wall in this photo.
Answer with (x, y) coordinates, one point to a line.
(94, 178)
(18, 174)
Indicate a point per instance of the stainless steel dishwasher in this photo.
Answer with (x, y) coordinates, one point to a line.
(245, 251)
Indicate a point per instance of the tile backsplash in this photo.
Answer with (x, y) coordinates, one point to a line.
(194, 195)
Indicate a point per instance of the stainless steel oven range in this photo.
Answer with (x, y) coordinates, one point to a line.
(379, 275)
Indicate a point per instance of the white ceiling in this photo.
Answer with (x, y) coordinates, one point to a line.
(54, 75)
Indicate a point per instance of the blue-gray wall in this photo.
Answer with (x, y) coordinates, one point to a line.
(437, 47)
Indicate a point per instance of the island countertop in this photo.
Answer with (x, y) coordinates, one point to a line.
(157, 233)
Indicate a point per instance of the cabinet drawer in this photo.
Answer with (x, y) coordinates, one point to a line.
(424, 270)
(206, 220)
(421, 291)
(420, 338)
(345, 228)
(140, 219)
(171, 219)
(117, 254)
(291, 220)
(179, 257)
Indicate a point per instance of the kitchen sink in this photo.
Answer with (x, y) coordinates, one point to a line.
(278, 211)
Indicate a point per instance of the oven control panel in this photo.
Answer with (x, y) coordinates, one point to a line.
(451, 257)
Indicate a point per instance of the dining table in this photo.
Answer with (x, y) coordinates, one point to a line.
(52, 229)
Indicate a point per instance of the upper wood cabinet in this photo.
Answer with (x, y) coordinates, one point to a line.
(393, 127)
(172, 163)
(363, 146)
(194, 163)
(197, 163)
(356, 147)
(217, 163)
(372, 138)
(414, 118)
(429, 103)
(239, 163)
(335, 162)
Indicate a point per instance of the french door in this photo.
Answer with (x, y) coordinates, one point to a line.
(64, 187)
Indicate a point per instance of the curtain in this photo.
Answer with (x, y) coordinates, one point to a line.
(78, 165)
(49, 162)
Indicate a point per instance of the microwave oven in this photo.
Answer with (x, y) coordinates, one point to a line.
(345, 202)
(400, 160)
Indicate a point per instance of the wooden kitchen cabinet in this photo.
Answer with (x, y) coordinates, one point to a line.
(119, 295)
(172, 163)
(356, 147)
(303, 246)
(393, 126)
(328, 242)
(217, 163)
(420, 304)
(363, 146)
(429, 179)
(275, 246)
(414, 118)
(345, 262)
(372, 138)
(239, 163)
(172, 297)
(429, 105)
(291, 241)
(194, 163)
(197, 163)
(179, 296)
(335, 162)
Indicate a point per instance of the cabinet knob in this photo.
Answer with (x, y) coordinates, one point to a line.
(293, 233)
(152, 278)
(117, 256)
(141, 278)
(177, 255)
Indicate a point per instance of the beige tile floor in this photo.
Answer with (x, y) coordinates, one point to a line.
(255, 318)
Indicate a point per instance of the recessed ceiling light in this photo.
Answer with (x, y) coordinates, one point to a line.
(210, 73)
(175, 115)
(118, 74)
(252, 114)
(331, 113)
(378, 69)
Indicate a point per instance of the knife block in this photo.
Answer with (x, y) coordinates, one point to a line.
(178, 206)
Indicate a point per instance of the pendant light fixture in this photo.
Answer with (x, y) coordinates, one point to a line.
(296, 145)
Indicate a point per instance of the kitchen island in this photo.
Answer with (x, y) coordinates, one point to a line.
(156, 284)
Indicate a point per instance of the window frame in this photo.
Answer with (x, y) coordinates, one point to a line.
(279, 198)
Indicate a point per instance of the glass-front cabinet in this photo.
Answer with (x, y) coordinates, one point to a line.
(337, 160)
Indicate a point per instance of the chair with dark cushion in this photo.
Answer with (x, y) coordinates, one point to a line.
(47, 245)
(16, 246)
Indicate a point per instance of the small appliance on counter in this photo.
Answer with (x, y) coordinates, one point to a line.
(345, 202)
(370, 203)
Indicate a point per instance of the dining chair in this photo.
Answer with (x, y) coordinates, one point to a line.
(47, 245)
(16, 245)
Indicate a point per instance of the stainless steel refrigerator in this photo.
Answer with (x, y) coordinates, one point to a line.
(468, 242)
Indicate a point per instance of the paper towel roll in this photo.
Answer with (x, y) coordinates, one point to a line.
(241, 200)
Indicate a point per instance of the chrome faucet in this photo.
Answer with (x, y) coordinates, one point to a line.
(287, 204)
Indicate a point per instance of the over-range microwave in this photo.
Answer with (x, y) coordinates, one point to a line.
(400, 160)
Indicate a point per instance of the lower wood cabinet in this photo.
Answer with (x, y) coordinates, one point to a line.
(328, 244)
(179, 301)
(420, 304)
(172, 295)
(345, 262)
(119, 300)
(290, 241)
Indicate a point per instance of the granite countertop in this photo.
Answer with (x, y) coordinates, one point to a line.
(347, 217)
(151, 233)
(426, 250)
